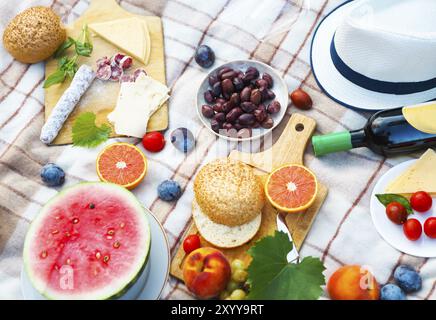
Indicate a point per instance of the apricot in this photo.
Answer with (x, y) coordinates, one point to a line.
(206, 272)
(353, 282)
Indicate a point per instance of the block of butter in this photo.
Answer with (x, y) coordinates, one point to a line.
(420, 176)
(137, 101)
(131, 35)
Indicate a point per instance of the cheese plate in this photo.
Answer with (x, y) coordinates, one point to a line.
(392, 233)
(101, 97)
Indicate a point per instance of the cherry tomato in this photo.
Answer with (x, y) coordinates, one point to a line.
(191, 243)
(412, 229)
(396, 212)
(421, 201)
(153, 141)
(430, 227)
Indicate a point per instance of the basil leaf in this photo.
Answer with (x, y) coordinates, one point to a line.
(387, 198)
(56, 77)
(83, 49)
(63, 47)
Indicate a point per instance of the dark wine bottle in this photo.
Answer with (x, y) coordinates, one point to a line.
(387, 133)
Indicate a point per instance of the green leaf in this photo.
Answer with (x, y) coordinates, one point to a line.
(56, 77)
(271, 277)
(86, 133)
(387, 198)
(83, 49)
(63, 47)
(83, 45)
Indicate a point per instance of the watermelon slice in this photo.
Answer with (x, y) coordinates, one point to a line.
(91, 241)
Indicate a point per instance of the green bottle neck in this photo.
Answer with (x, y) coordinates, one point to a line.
(338, 141)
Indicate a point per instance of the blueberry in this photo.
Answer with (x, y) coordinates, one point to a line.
(169, 190)
(204, 56)
(52, 175)
(392, 292)
(407, 278)
(183, 139)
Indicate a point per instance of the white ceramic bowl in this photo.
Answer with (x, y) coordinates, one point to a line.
(280, 89)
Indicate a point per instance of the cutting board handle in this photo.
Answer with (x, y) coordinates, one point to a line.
(289, 148)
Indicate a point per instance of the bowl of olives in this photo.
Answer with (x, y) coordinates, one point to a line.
(242, 100)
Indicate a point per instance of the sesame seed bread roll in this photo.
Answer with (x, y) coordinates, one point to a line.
(229, 192)
(34, 34)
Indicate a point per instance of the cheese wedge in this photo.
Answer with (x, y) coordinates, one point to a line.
(420, 176)
(422, 117)
(131, 35)
(137, 101)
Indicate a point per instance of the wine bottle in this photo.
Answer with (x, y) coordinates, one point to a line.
(387, 133)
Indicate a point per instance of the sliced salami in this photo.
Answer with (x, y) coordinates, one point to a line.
(138, 72)
(116, 74)
(103, 61)
(127, 78)
(104, 72)
(113, 69)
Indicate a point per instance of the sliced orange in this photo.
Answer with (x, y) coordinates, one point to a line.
(291, 188)
(123, 164)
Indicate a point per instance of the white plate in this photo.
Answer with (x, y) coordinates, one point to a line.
(152, 280)
(280, 89)
(392, 233)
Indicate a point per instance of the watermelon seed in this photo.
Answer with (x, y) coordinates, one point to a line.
(55, 232)
(44, 254)
(91, 206)
(109, 237)
(67, 234)
(116, 244)
(122, 224)
(98, 254)
(105, 259)
(68, 261)
(111, 232)
(75, 220)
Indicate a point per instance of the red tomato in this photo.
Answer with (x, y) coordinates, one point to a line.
(191, 243)
(421, 201)
(412, 229)
(396, 212)
(430, 227)
(153, 141)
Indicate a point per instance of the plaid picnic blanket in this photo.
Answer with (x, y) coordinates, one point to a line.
(343, 232)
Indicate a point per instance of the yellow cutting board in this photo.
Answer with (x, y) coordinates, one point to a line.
(102, 96)
(289, 148)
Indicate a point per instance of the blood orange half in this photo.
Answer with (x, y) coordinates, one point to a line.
(123, 164)
(291, 188)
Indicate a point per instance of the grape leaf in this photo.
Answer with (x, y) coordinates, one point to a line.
(86, 133)
(387, 198)
(271, 277)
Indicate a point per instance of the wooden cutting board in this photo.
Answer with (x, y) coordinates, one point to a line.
(102, 96)
(288, 149)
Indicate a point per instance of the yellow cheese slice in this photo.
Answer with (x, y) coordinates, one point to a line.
(131, 35)
(137, 101)
(422, 117)
(420, 176)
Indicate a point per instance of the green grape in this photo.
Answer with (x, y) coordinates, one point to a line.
(232, 285)
(238, 294)
(224, 294)
(239, 276)
(237, 264)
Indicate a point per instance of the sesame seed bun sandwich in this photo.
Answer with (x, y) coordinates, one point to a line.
(229, 198)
